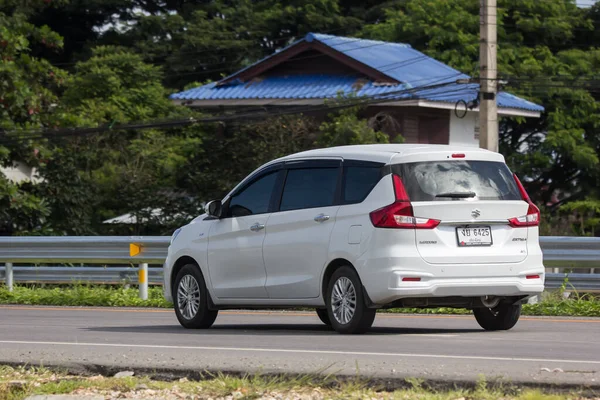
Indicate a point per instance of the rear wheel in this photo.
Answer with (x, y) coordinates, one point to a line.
(323, 316)
(346, 306)
(191, 299)
(500, 318)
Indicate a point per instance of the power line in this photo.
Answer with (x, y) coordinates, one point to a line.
(162, 124)
(67, 132)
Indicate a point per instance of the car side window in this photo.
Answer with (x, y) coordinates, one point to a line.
(358, 183)
(254, 198)
(309, 188)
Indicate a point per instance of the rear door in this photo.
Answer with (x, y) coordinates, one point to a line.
(296, 246)
(473, 200)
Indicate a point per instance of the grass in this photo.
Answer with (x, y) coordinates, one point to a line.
(552, 304)
(18, 383)
(83, 295)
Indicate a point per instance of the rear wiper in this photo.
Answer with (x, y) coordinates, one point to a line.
(457, 195)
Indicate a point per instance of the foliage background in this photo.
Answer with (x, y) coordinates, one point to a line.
(81, 63)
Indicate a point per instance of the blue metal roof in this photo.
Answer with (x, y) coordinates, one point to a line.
(289, 87)
(400, 62)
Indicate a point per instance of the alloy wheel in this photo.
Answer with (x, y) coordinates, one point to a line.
(188, 297)
(343, 300)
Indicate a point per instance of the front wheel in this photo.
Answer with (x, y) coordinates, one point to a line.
(500, 318)
(346, 306)
(191, 299)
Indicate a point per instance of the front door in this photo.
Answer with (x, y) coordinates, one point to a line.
(235, 258)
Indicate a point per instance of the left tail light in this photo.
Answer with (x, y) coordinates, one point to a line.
(399, 215)
(532, 218)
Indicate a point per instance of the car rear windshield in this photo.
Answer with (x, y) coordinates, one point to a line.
(457, 180)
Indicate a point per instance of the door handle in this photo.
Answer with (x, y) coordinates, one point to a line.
(321, 218)
(257, 227)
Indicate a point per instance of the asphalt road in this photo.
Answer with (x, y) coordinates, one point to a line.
(431, 347)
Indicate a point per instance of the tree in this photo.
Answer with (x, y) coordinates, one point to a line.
(541, 55)
(208, 40)
(118, 57)
(234, 150)
(92, 178)
(28, 94)
(585, 216)
(346, 128)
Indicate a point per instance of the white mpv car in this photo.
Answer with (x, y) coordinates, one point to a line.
(352, 229)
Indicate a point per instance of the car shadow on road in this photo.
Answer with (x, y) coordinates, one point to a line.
(273, 330)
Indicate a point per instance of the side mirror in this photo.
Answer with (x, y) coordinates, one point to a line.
(213, 208)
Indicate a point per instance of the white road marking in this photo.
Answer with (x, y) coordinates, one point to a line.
(301, 351)
(440, 335)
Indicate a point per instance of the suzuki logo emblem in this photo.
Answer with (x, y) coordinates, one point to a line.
(475, 213)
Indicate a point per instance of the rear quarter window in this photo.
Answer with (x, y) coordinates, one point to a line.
(358, 183)
(488, 180)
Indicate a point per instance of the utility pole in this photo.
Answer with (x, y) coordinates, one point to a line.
(488, 110)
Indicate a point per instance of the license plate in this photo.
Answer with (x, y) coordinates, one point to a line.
(474, 236)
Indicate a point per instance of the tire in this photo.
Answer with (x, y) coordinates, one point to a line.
(349, 284)
(500, 318)
(190, 317)
(324, 316)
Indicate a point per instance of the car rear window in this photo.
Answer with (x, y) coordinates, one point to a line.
(425, 181)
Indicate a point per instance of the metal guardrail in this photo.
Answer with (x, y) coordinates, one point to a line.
(587, 283)
(116, 252)
(83, 249)
(97, 275)
(571, 251)
(107, 250)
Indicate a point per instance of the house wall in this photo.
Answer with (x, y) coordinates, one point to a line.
(464, 131)
(20, 172)
(415, 124)
(425, 125)
(311, 62)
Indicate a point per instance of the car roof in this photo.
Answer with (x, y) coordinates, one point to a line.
(385, 153)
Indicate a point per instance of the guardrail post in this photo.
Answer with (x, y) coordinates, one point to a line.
(9, 276)
(143, 280)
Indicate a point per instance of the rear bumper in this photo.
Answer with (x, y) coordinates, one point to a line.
(475, 287)
(383, 282)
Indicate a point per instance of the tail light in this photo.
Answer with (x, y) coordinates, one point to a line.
(399, 215)
(533, 213)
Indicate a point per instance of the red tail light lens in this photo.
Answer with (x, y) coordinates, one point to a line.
(533, 213)
(400, 190)
(399, 215)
